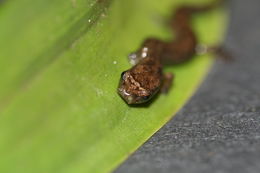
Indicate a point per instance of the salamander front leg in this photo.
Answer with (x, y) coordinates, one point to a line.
(167, 82)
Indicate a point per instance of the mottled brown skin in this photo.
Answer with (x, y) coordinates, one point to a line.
(145, 79)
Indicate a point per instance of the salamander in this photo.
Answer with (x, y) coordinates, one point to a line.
(145, 79)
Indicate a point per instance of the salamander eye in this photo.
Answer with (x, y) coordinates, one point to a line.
(123, 75)
(146, 97)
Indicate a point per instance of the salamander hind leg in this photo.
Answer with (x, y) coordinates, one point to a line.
(219, 51)
(222, 53)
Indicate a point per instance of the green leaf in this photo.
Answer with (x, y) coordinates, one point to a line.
(60, 63)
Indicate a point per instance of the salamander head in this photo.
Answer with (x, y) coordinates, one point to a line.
(132, 91)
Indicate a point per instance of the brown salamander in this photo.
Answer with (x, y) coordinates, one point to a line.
(145, 79)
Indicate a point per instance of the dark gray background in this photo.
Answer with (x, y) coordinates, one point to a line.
(218, 131)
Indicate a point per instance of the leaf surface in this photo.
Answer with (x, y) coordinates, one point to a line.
(60, 63)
